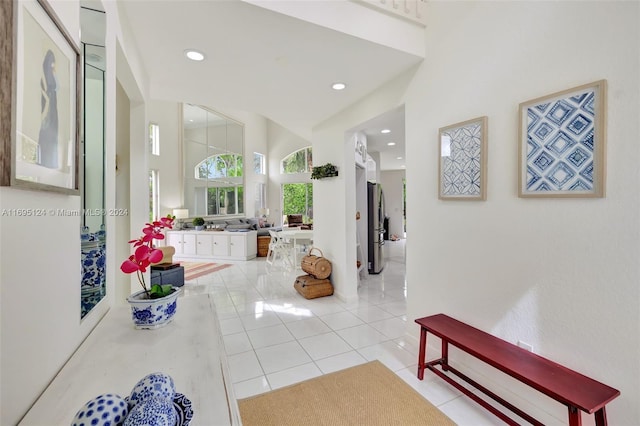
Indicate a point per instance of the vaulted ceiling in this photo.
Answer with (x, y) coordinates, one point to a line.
(256, 60)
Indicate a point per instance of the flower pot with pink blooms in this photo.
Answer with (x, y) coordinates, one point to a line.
(154, 306)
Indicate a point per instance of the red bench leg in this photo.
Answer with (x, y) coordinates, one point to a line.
(601, 417)
(445, 355)
(423, 349)
(574, 417)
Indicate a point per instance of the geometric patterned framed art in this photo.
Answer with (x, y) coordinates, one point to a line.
(463, 159)
(563, 143)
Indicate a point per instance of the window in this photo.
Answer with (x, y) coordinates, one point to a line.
(259, 164)
(261, 197)
(219, 166)
(223, 196)
(154, 195)
(297, 198)
(154, 138)
(225, 200)
(297, 162)
(213, 163)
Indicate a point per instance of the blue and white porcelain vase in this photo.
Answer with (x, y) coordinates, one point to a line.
(93, 260)
(153, 313)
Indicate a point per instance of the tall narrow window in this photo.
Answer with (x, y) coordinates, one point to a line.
(261, 197)
(259, 164)
(154, 195)
(154, 138)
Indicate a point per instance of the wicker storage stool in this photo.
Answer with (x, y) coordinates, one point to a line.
(263, 245)
(310, 287)
(318, 266)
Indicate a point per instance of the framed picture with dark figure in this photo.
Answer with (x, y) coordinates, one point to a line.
(42, 93)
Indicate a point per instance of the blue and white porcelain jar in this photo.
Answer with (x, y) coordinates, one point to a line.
(153, 313)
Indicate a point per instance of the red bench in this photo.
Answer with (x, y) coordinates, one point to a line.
(576, 391)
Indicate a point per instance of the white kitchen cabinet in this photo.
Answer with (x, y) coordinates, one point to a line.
(204, 245)
(189, 244)
(221, 245)
(183, 242)
(237, 245)
(174, 239)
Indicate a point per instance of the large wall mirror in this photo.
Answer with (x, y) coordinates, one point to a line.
(92, 164)
(213, 163)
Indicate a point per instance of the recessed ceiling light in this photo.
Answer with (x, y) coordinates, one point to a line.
(398, 158)
(338, 86)
(194, 55)
(385, 131)
(403, 167)
(391, 143)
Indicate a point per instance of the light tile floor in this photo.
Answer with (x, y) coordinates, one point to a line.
(273, 337)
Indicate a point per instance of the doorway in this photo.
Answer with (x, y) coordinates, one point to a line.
(383, 138)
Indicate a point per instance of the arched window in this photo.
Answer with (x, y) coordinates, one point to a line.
(299, 161)
(219, 166)
(297, 198)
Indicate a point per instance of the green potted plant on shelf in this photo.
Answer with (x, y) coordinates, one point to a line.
(321, 172)
(151, 307)
(198, 222)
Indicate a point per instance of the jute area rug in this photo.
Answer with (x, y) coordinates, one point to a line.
(193, 270)
(368, 394)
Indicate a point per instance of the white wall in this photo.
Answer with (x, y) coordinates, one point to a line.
(392, 185)
(560, 274)
(122, 194)
(255, 140)
(166, 115)
(334, 199)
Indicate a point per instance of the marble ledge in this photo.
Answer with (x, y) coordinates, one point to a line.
(115, 356)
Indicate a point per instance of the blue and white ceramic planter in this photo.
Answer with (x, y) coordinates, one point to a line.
(153, 313)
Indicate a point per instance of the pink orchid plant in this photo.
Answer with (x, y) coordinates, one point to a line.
(145, 253)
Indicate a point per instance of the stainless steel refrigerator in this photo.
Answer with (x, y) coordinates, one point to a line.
(376, 215)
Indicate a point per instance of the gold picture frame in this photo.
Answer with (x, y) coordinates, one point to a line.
(562, 143)
(40, 99)
(462, 173)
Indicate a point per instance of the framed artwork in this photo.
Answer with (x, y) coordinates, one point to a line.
(42, 93)
(562, 143)
(463, 160)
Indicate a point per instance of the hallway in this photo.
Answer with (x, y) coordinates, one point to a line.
(273, 337)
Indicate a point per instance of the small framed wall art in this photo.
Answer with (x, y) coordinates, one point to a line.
(463, 158)
(562, 143)
(42, 87)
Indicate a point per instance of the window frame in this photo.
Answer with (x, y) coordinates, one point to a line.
(308, 161)
(154, 194)
(154, 139)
